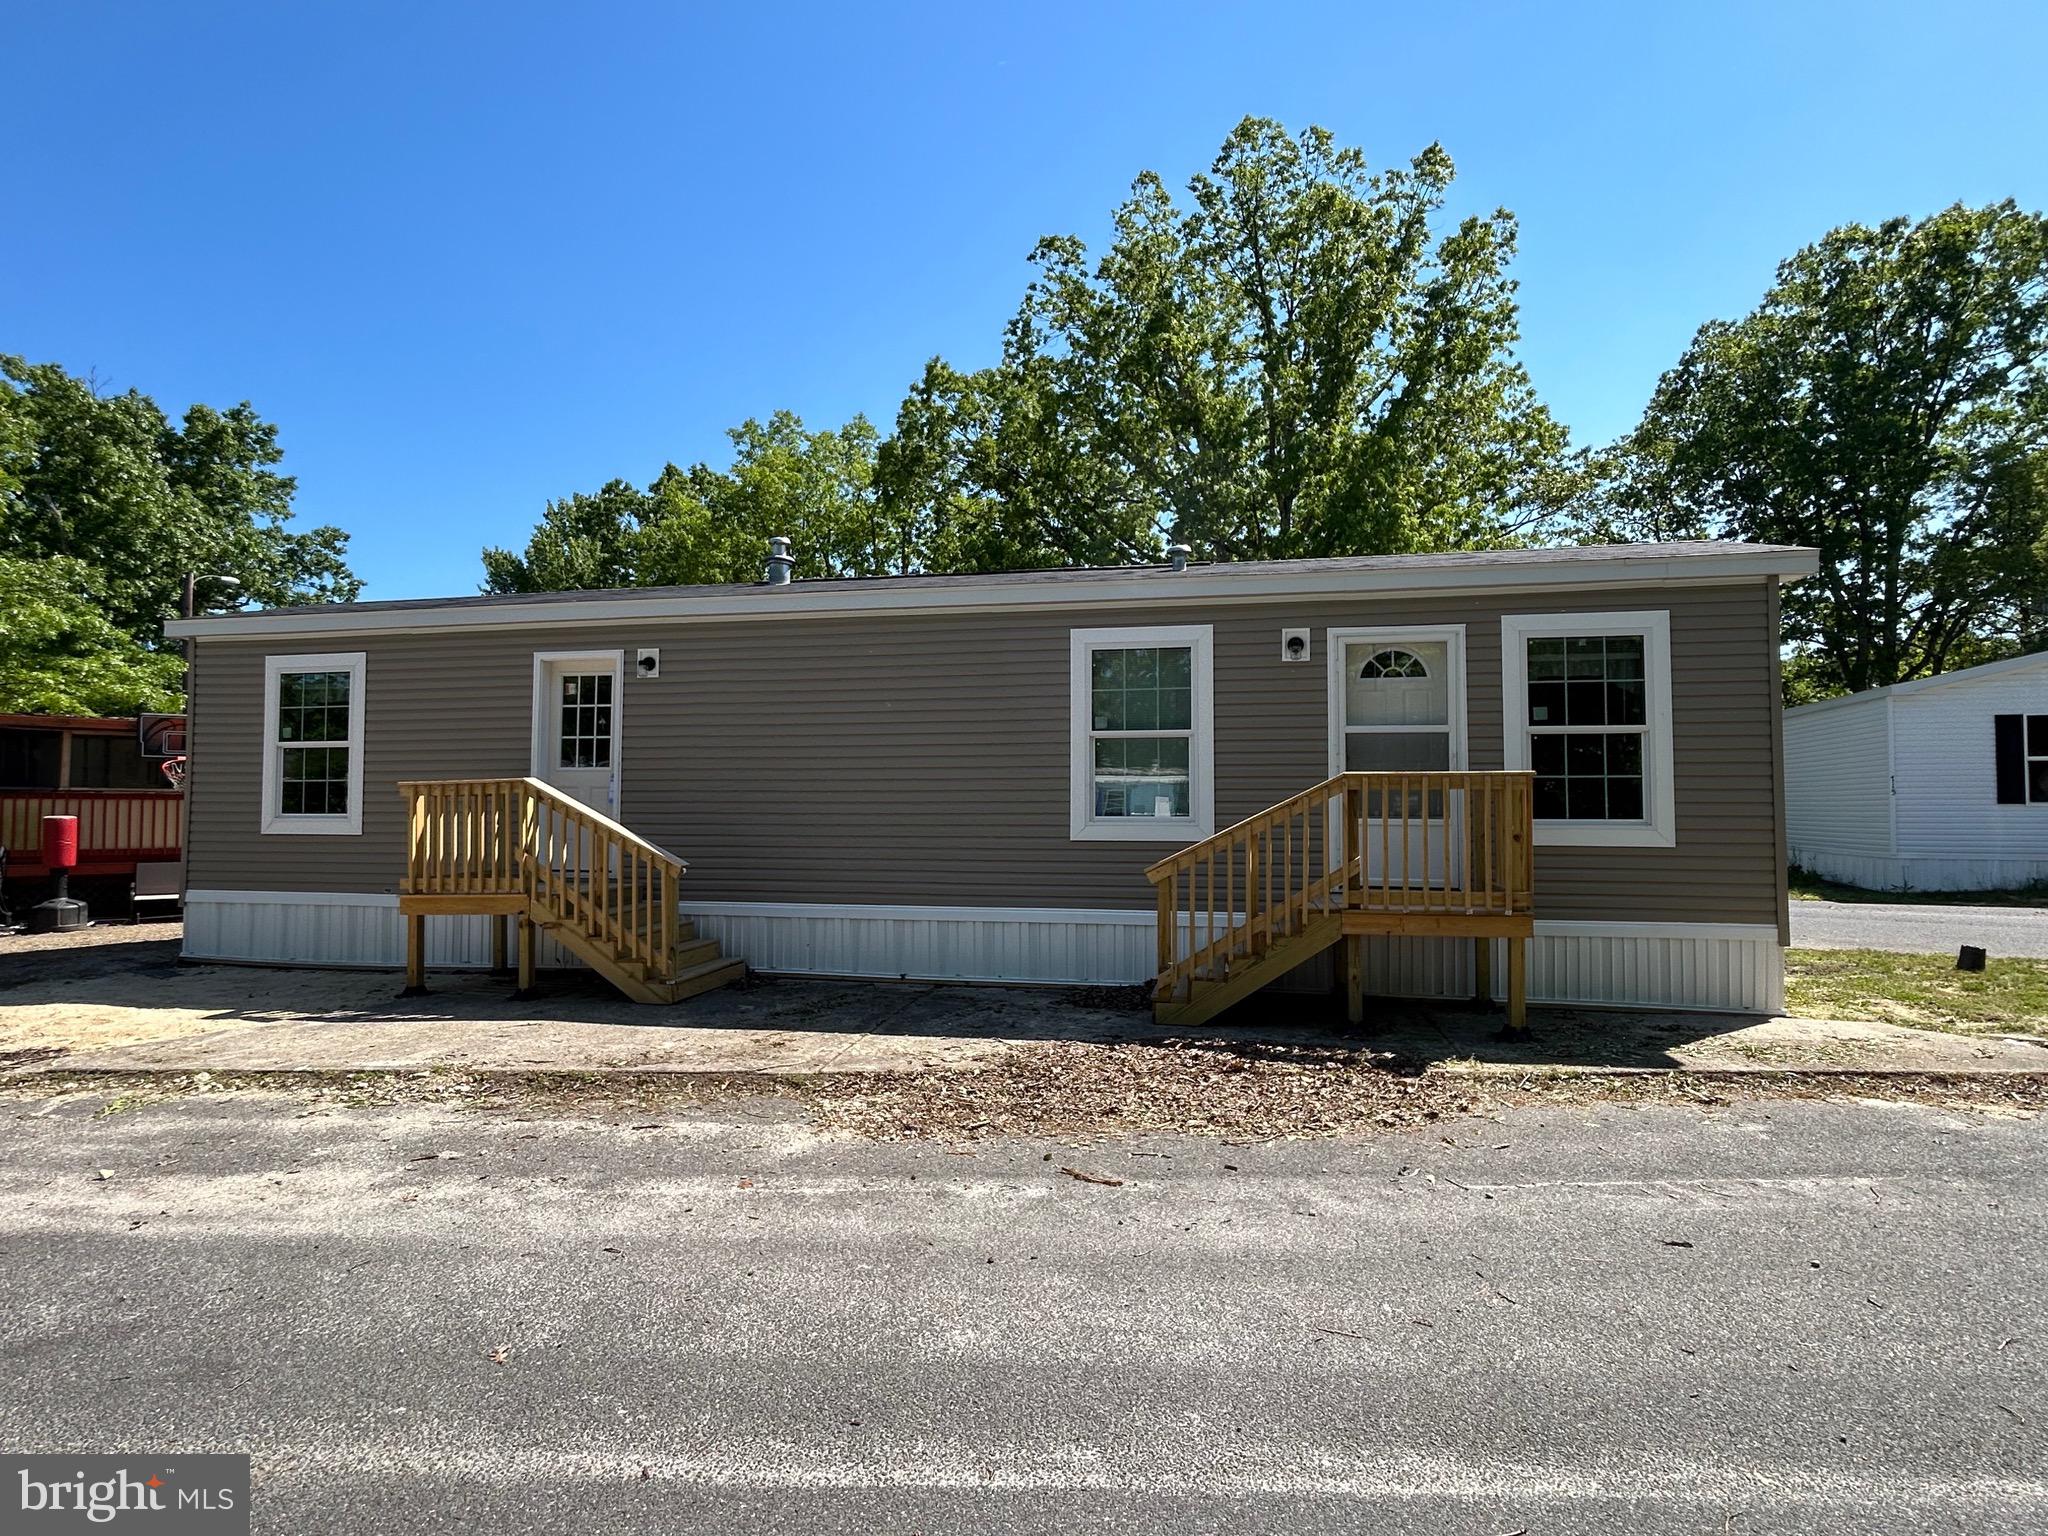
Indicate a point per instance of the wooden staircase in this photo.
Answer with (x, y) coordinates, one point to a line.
(520, 850)
(1438, 855)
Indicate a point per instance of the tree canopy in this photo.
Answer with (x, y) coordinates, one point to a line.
(1299, 359)
(105, 506)
(1886, 403)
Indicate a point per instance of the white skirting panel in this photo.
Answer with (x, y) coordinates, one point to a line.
(1875, 873)
(1025, 944)
(1721, 966)
(1725, 967)
(336, 928)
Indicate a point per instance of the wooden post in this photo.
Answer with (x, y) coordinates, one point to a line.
(1168, 940)
(1354, 978)
(1518, 994)
(415, 955)
(1482, 971)
(525, 956)
(1354, 845)
(498, 942)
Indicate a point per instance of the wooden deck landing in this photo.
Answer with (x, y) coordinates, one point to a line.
(523, 853)
(1436, 855)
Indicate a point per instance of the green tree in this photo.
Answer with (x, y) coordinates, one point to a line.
(60, 654)
(109, 481)
(706, 525)
(1299, 363)
(1887, 403)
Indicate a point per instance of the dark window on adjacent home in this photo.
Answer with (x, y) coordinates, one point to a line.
(2021, 747)
(112, 762)
(29, 759)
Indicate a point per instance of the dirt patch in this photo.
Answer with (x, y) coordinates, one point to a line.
(1063, 1090)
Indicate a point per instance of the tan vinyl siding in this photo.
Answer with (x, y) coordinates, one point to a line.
(923, 759)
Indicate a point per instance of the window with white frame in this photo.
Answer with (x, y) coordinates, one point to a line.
(1586, 704)
(1142, 763)
(313, 743)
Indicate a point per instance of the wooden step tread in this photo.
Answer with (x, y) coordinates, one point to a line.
(700, 979)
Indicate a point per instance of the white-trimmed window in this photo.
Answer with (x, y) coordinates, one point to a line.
(313, 743)
(1586, 705)
(1143, 766)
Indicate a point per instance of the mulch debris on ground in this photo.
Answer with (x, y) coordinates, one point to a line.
(1233, 1091)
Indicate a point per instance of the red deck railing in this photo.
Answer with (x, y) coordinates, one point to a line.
(117, 828)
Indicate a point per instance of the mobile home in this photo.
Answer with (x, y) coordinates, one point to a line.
(1554, 773)
(1940, 784)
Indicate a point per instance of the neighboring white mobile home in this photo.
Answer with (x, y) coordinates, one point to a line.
(1935, 785)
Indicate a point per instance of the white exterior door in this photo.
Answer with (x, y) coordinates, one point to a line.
(1397, 705)
(576, 726)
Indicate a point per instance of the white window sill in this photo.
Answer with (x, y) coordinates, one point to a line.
(313, 826)
(1602, 834)
(1142, 829)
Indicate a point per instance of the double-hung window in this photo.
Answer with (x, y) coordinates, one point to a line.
(1586, 703)
(313, 743)
(1142, 763)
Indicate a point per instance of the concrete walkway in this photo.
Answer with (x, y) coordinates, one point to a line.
(1920, 930)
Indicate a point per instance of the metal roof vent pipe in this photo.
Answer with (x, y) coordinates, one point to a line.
(780, 561)
(1177, 556)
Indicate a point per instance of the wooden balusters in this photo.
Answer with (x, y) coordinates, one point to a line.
(1442, 846)
(522, 838)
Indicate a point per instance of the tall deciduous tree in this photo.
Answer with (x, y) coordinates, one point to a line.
(60, 654)
(1298, 360)
(1298, 363)
(706, 525)
(1887, 403)
(109, 480)
(120, 503)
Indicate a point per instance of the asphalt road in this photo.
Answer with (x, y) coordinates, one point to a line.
(1798, 1317)
(1923, 930)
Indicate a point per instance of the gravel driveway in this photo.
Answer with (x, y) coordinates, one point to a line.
(1925, 930)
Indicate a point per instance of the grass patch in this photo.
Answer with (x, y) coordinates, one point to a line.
(1807, 886)
(1925, 991)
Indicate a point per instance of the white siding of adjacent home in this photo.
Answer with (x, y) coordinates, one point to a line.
(1838, 799)
(1952, 832)
(1900, 789)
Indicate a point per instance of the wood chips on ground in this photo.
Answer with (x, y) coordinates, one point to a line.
(1070, 1090)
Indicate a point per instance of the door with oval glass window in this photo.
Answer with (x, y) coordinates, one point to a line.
(1397, 705)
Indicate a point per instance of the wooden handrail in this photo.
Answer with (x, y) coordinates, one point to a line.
(1442, 844)
(524, 837)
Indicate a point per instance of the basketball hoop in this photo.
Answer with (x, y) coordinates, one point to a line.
(174, 770)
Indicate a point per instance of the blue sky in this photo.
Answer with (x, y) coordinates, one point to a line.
(469, 257)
